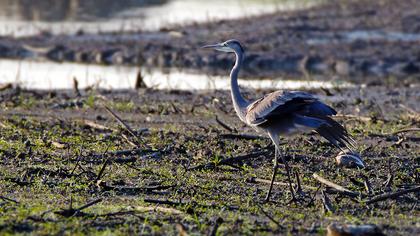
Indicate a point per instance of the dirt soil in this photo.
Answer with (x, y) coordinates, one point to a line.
(347, 38)
(181, 171)
(182, 163)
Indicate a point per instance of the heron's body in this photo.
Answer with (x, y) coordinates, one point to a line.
(283, 112)
(292, 112)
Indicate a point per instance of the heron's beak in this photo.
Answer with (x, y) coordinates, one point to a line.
(218, 47)
(214, 46)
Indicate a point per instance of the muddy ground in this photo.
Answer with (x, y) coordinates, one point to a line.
(347, 38)
(69, 166)
(60, 151)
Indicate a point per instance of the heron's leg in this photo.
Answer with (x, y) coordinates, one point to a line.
(288, 177)
(276, 140)
(267, 198)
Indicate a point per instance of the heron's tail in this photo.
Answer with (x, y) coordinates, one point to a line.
(328, 128)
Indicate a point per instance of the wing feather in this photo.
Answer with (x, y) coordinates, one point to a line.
(305, 109)
(280, 101)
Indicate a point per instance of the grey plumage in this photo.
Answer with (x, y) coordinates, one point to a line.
(283, 113)
(292, 111)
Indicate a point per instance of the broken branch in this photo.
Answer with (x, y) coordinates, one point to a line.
(228, 161)
(337, 187)
(386, 196)
(125, 125)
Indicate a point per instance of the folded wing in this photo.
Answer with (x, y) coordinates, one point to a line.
(302, 109)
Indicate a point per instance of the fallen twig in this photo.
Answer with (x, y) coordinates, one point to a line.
(265, 181)
(19, 181)
(183, 203)
(128, 152)
(6, 86)
(130, 155)
(131, 152)
(337, 187)
(242, 136)
(132, 189)
(140, 84)
(97, 126)
(367, 185)
(328, 207)
(299, 186)
(224, 125)
(389, 181)
(128, 140)
(415, 115)
(399, 142)
(77, 103)
(159, 209)
(386, 196)
(125, 125)
(404, 131)
(113, 159)
(118, 213)
(59, 145)
(176, 109)
(394, 138)
(76, 165)
(361, 118)
(76, 87)
(102, 170)
(89, 204)
(76, 212)
(9, 199)
(165, 202)
(314, 196)
(228, 161)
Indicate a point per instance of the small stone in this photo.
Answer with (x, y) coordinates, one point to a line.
(353, 230)
(349, 159)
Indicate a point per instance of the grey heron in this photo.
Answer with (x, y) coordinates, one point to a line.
(284, 113)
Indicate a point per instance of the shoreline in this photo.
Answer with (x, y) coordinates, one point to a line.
(362, 41)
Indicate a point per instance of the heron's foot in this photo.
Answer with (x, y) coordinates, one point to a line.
(300, 197)
(266, 199)
(298, 201)
(295, 199)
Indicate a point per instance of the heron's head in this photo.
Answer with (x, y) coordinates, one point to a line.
(231, 45)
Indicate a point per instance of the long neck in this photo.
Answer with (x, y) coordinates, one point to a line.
(239, 102)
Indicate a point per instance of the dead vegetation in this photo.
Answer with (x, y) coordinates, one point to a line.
(173, 162)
